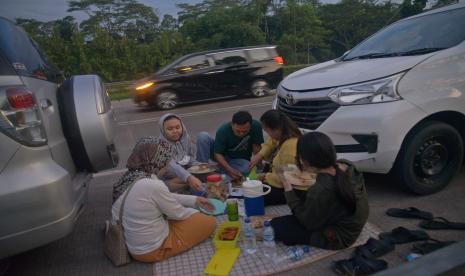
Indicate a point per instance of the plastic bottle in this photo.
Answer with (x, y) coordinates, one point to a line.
(268, 241)
(253, 173)
(293, 254)
(249, 237)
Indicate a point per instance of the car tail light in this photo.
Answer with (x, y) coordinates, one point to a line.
(20, 117)
(279, 60)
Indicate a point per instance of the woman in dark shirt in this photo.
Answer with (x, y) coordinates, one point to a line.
(335, 208)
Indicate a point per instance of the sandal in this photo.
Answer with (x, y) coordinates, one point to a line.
(401, 235)
(359, 266)
(410, 212)
(374, 248)
(442, 223)
(430, 246)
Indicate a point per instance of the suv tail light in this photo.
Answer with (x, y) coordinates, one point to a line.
(279, 60)
(20, 117)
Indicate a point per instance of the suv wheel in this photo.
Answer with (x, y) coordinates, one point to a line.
(430, 157)
(260, 88)
(166, 100)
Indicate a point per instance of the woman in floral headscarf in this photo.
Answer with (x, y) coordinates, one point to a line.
(157, 223)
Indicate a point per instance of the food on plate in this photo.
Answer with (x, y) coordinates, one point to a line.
(228, 234)
(201, 168)
(296, 177)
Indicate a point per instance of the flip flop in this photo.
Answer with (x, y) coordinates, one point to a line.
(374, 248)
(430, 246)
(401, 235)
(410, 212)
(442, 223)
(359, 266)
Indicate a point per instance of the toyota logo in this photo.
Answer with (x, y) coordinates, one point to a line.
(290, 99)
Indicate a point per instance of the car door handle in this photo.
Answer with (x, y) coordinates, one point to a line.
(214, 72)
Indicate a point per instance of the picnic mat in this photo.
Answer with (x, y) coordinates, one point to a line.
(194, 261)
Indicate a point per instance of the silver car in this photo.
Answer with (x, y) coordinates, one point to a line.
(53, 135)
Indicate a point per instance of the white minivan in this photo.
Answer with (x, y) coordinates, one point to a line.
(395, 102)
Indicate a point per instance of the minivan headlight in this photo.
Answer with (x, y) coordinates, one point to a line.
(377, 91)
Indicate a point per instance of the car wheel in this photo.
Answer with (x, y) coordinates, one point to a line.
(429, 158)
(260, 88)
(166, 100)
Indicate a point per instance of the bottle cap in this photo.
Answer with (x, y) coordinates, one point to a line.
(267, 223)
(247, 220)
(214, 178)
(306, 249)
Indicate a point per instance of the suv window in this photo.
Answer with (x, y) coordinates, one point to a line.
(433, 31)
(260, 54)
(23, 53)
(196, 62)
(5, 67)
(228, 58)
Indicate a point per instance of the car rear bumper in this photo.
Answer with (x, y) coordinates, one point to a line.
(39, 202)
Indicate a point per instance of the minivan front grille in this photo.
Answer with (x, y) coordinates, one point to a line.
(308, 114)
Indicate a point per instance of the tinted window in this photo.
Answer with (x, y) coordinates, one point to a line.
(227, 58)
(5, 67)
(260, 54)
(23, 54)
(196, 62)
(439, 30)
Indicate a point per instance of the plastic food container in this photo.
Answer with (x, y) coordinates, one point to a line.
(216, 188)
(221, 244)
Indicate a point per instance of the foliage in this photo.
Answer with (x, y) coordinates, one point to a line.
(124, 39)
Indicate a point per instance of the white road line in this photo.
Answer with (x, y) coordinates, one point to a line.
(197, 113)
(109, 172)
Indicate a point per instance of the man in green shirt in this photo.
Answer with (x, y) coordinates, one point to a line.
(233, 145)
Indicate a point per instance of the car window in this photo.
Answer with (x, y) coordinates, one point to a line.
(260, 54)
(228, 58)
(196, 62)
(5, 67)
(24, 54)
(434, 31)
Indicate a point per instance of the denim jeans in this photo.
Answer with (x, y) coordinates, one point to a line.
(205, 145)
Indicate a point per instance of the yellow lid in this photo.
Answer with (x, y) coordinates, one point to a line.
(222, 261)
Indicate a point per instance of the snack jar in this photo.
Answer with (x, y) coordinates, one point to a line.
(216, 188)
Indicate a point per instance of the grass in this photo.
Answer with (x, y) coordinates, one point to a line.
(122, 90)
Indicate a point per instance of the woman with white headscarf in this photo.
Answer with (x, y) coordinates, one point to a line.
(173, 131)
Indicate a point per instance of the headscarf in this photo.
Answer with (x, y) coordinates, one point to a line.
(184, 146)
(149, 155)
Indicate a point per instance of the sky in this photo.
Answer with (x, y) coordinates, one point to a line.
(47, 10)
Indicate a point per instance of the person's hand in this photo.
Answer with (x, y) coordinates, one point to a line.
(261, 176)
(280, 172)
(257, 158)
(234, 174)
(194, 183)
(205, 203)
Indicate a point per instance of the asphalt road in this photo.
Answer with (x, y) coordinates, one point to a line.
(80, 252)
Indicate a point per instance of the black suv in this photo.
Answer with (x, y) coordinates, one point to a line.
(212, 75)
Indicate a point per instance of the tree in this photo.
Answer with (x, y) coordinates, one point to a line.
(119, 18)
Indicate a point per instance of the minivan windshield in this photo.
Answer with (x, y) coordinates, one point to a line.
(416, 36)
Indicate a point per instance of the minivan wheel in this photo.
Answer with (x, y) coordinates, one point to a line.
(430, 157)
(166, 100)
(260, 88)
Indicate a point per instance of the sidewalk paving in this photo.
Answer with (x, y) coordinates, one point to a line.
(81, 254)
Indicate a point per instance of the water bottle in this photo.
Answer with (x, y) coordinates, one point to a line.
(293, 254)
(268, 241)
(249, 237)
